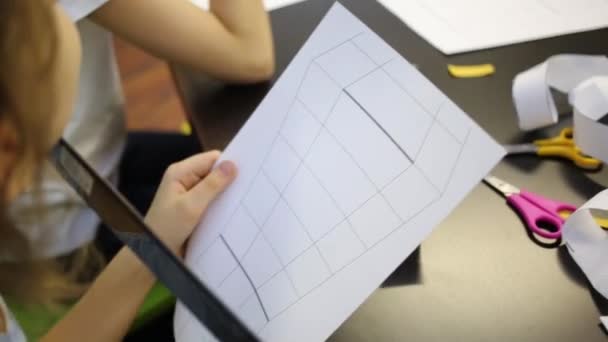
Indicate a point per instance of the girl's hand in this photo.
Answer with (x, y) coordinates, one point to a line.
(185, 192)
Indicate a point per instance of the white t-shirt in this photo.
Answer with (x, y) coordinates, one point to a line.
(98, 132)
(13, 332)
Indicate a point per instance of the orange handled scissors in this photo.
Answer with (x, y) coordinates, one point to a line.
(561, 146)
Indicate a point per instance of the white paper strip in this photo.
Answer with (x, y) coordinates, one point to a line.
(587, 242)
(590, 103)
(585, 79)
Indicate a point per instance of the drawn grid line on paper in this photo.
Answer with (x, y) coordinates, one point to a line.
(281, 125)
(266, 154)
(379, 126)
(346, 218)
(255, 290)
(392, 232)
(364, 172)
(370, 247)
(379, 191)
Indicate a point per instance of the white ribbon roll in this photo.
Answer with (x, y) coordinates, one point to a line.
(587, 242)
(585, 79)
(590, 103)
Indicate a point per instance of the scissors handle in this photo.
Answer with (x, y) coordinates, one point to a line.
(570, 152)
(538, 212)
(565, 137)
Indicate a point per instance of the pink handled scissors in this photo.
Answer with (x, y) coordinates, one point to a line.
(542, 216)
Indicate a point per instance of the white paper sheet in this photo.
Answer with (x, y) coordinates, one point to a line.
(587, 242)
(585, 79)
(344, 168)
(270, 4)
(468, 25)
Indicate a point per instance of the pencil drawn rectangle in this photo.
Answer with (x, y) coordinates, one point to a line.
(376, 48)
(339, 173)
(240, 232)
(346, 63)
(277, 294)
(312, 204)
(415, 84)
(300, 129)
(285, 233)
(368, 144)
(438, 156)
(207, 265)
(340, 246)
(281, 164)
(260, 262)
(308, 271)
(410, 193)
(374, 220)
(261, 198)
(393, 109)
(252, 314)
(235, 289)
(454, 120)
(318, 92)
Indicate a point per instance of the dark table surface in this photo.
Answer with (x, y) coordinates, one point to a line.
(479, 276)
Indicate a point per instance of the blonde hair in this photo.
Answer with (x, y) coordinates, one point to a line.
(28, 41)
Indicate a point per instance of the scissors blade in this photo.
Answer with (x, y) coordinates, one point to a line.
(501, 186)
(521, 148)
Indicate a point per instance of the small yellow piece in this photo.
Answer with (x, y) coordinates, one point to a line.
(572, 153)
(185, 128)
(471, 71)
(602, 222)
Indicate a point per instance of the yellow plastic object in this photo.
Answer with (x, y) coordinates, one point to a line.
(565, 138)
(563, 146)
(570, 152)
(185, 128)
(602, 222)
(471, 71)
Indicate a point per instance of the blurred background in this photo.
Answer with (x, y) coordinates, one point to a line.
(152, 102)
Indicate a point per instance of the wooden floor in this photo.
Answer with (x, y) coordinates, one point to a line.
(152, 102)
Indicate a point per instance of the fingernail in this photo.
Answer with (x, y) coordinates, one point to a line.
(227, 168)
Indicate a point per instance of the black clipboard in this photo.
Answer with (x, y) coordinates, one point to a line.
(128, 225)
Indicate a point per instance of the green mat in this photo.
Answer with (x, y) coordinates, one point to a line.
(36, 321)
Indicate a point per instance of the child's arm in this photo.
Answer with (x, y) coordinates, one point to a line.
(107, 309)
(232, 41)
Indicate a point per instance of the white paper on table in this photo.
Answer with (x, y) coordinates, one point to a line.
(604, 320)
(269, 4)
(587, 242)
(345, 167)
(590, 103)
(468, 25)
(585, 79)
(532, 98)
